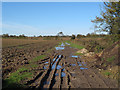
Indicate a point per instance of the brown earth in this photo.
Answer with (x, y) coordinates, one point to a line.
(17, 56)
(74, 77)
(8, 42)
(63, 70)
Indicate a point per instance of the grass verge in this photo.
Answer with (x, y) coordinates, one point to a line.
(110, 59)
(75, 45)
(22, 73)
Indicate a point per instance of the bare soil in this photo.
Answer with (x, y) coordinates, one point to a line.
(58, 70)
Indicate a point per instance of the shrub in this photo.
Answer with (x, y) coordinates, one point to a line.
(94, 46)
(73, 37)
(110, 58)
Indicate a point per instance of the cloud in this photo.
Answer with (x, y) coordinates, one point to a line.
(13, 28)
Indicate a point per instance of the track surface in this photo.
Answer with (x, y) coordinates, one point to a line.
(64, 71)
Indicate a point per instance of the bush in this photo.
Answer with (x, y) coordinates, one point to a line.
(73, 37)
(94, 46)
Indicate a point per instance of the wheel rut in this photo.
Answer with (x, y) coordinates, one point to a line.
(66, 71)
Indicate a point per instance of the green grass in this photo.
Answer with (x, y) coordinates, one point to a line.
(110, 58)
(16, 77)
(79, 54)
(22, 73)
(75, 45)
(38, 58)
(60, 43)
(102, 59)
(107, 73)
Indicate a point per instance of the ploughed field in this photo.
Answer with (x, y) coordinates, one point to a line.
(49, 65)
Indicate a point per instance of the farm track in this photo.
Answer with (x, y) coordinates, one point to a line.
(15, 57)
(70, 76)
(61, 70)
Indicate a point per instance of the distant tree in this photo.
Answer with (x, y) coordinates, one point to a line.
(110, 18)
(60, 34)
(79, 36)
(22, 35)
(39, 36)
(5, 35)
(73, 37)
(88, 34)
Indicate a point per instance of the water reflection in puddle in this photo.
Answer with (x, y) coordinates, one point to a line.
(59, 48)
(62, 45)
(56, 74)
(54, 59)
(46, 62)
(83, 68)
(53, 66)
(63, 74)
(84, 63)
(47, 82)
(58, 67)
(67, 43)
(73, 64)
(79, 64)
(75, 56)
(45, 67)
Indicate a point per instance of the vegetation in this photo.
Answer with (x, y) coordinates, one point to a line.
(75, 45)
(110, 58)
(38, 58)
(94, 46)
(73, 37)
(22, 73)
(79, 54)
(107, 73)
(110, 18)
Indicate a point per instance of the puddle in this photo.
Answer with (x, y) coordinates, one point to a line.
(79, 64)
(46, 62)
(84, 63)
(62, 45)
(73, 64)
(54, 59)
(63, 74)
(67, 43)
(47, 82)
(58, 67)
(59, 48)
(56, 74)
(53, 66)
(75, 56)
(83, 68)
(64, 69)
(45, 67)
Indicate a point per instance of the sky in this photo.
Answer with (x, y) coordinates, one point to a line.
(49, 18)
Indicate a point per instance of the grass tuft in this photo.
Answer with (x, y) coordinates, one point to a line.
(75, 45)
(38, 58)
(107, 73)
(110, 58)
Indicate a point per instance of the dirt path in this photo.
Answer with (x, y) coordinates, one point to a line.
(67, 71)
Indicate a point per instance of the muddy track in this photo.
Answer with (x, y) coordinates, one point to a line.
(61, 69)
(65, 71)
(15, 57)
